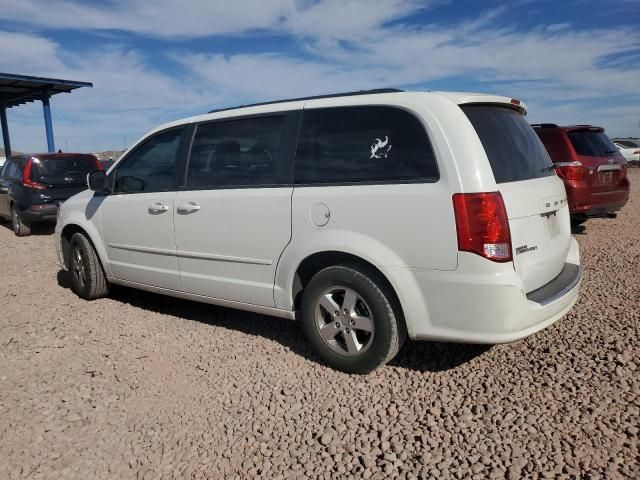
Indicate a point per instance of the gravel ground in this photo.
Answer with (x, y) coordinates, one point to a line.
(143, 386)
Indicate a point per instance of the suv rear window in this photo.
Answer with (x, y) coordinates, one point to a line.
(44, 166)
(514, 150)
(591, 143)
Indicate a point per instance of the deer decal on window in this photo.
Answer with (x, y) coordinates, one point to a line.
(380, 149)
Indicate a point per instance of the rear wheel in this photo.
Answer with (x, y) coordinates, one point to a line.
(19, 228)
(88, 280)
(348, 316)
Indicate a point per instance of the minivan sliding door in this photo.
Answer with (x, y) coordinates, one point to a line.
(233, 215)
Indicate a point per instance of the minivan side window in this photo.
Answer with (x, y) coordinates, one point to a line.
(241, 152)
(363, 144)
(151, 166)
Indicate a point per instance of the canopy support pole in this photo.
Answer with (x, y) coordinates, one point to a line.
(51, 147)
(5, 131)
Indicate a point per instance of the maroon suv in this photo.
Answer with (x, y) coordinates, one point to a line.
(592, 168)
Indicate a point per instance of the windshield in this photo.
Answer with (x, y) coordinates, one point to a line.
(52, 167)
(592, 143)
(514, 150)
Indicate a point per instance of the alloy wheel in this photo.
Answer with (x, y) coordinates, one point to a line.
(78, 267)
(344, 321)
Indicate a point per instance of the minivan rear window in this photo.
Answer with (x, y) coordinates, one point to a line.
(514, 150)
(591, 143)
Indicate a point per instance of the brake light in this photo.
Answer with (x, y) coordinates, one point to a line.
(26, 177)
(482, 225)
(98, 164)
(570, 170)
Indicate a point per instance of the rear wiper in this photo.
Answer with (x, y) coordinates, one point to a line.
(548, 168)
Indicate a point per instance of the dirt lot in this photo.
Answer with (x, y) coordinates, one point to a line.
(143, 386)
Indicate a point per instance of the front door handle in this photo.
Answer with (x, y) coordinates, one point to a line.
(188, 208)
(158, 208)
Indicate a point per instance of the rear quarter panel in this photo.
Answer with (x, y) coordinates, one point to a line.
(409, 226)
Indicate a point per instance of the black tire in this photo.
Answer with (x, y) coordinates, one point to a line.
(88, 280)
(19, 228)
(389, 330)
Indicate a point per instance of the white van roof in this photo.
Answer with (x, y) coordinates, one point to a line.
(459, 98)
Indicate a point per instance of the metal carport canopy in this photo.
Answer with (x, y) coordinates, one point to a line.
(17, 90)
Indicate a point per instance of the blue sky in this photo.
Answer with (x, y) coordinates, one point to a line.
(571, 61)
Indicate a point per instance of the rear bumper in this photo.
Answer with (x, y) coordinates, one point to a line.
(585, 202)
(39, 213)
(473, 305)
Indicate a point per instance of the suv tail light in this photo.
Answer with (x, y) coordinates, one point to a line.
(98, 164)
(26, 177)
(482, 225)
(570, 170)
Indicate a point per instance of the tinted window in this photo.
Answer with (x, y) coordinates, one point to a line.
(238, 153)
(592, 143)
(151, 166)
(514, 150)
(12, 169)
(43, 166)
(5, 169)
(628, 143)
(363, 144)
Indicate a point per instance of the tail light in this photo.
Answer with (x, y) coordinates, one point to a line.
(98, 164)
(482, 225)
(26, 177)
(570, 170)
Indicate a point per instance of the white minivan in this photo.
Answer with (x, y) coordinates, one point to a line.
(368, 216)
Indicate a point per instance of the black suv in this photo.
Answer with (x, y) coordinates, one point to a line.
(33, 186)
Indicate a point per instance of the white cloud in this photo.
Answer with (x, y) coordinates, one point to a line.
(128, 97)
(27, 53)
(160, 18)
(338, 19)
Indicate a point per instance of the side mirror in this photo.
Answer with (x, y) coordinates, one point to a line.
(97, 181)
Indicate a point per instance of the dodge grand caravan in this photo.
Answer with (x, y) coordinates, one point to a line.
(368, 216)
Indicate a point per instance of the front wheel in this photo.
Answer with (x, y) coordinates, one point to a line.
(348, 316)
(88, 280)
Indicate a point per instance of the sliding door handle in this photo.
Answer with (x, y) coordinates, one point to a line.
(158, 208)
(188, 208)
